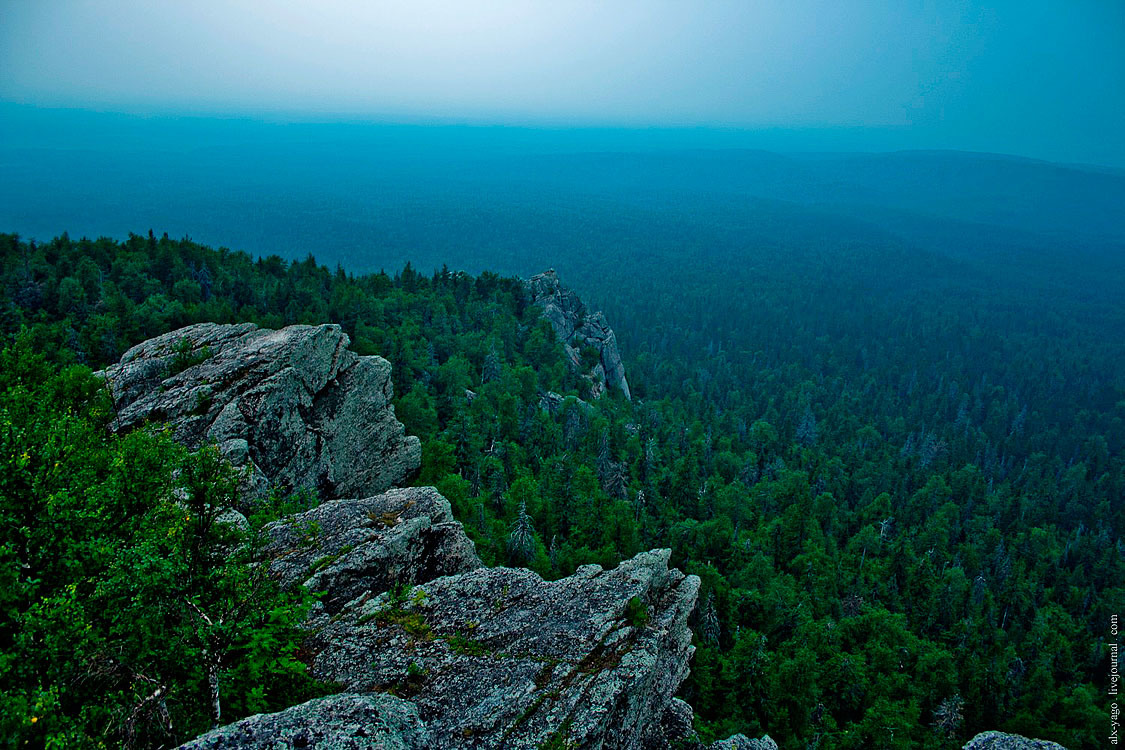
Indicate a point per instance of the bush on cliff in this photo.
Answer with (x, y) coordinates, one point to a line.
(129, 613)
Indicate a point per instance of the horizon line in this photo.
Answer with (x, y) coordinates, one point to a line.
(548, 126)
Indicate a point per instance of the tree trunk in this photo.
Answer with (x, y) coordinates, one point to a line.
(213, 666)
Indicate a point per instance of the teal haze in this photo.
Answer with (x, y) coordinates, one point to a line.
(1036, 78)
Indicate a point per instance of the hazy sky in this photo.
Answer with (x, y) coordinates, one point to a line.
(1034, 77)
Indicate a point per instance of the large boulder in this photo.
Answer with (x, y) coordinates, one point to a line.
(674, 729)
(491, 657)
(742, 742)
(577, 329)
(339, 722)
(346, 548)
(294, 406)
(498, 657)
(1001, 741)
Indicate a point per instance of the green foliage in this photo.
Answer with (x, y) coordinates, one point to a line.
(186, 357)
(897, 507)
(466, 646)
(122, 586)
(636, 612)
(399, 611)
(559, 739)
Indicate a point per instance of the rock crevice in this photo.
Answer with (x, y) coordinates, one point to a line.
(294, 407)
(498, 657)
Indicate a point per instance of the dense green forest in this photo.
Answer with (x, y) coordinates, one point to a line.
(904, 496)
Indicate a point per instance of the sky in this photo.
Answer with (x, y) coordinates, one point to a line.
(1040, 78)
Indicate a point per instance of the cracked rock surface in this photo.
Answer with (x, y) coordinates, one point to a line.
(1002, 741)
(293, 406)
(347, 548)
(338, 722)
(498, 657)
(486, 657)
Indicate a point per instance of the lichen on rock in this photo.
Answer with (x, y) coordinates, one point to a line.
(340, 722)
(345, 548)
(294, 406)
(1002, 741)
(498, 657)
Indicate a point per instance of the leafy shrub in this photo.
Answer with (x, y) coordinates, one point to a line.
(120, 587)
(636, 612)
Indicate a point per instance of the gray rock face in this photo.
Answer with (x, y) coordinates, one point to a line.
(339, 722)
(1001, 741)
(742, 742)
(293, 406)
(500, 658)
(347, 548)
(489, 657)
(674, 729)
(469, 656)
(577, 329)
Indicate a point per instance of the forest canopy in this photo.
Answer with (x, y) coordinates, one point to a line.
(906, 513)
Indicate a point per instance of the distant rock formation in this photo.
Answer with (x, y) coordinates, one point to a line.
(294, 406)
(576, 330)
(1001, 741)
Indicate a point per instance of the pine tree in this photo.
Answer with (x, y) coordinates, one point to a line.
(491, 369)
(521, 542)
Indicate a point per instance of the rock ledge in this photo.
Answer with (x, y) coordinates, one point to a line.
(293, 406)
(1001, 741)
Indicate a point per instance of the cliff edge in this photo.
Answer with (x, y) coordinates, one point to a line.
(421, 637)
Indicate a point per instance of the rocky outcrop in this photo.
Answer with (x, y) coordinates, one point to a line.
(579, 331)
(553, 403)
(742, 742)
(1001, 741)
(674, 728)
(488, 657)
(292, 406)
(346, 548)
(500, 658)
(340, 722)
(431, 649)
